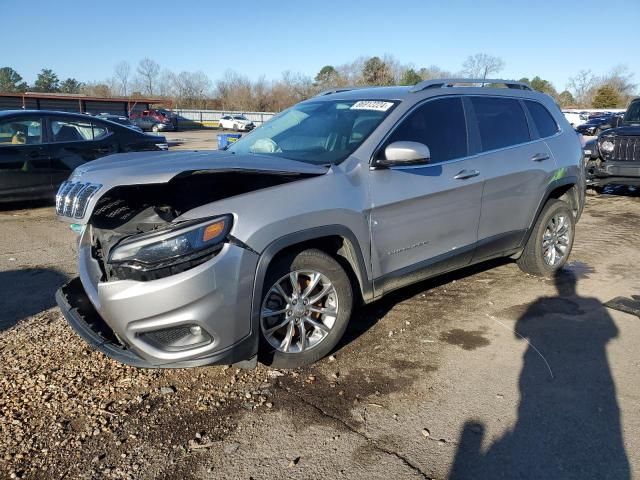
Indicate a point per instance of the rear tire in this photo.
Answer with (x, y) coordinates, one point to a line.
(550, 242)
(317, 272)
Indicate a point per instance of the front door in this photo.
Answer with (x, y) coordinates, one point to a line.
(25, 168)
(424, 219)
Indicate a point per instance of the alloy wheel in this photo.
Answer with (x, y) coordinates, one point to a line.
(556, 239)
(299, 311)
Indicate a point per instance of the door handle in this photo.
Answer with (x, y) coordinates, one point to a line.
(464, 174)
(539, 157)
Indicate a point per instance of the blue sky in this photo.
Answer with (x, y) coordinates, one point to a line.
(85, 39)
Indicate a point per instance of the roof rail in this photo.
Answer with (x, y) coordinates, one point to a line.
(338, 90)
(452, 82)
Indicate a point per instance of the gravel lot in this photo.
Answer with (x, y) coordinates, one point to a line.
(484, 374)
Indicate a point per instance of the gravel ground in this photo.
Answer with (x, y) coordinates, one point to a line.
(435, 381)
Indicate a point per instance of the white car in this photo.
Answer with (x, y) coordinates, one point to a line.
(575, 118)
(236, 122)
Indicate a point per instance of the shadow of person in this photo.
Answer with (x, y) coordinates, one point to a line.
(568, 423)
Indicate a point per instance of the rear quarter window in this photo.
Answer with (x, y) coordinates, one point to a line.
(543, 120)
(501, 122)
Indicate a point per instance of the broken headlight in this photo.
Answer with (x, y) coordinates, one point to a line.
(172, 246)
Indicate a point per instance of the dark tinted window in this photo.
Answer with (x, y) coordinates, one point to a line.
(440, 125)
(72, 130)
(501, 122)
(545, 123)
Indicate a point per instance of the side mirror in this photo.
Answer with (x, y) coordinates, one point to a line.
(616, 122)
(404, 153)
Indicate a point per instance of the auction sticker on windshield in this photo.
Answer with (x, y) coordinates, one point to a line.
(372, 105)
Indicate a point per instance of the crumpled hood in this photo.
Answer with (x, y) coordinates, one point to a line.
(160, 167)
(78, 196)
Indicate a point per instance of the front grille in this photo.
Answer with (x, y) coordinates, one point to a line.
(73, 197)
(627, 149)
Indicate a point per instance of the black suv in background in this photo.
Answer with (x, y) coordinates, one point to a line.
(614, 157)
(39, 149)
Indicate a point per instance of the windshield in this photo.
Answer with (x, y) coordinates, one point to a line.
(240, 117)
(316, 132)
(633, 113)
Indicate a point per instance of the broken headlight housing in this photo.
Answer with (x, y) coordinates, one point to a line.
(171, 250)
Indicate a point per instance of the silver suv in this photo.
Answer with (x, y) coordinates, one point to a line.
(263, 250)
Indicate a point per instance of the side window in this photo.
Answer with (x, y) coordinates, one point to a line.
(72, 130)
(501, 122)
(440, 125)
(21, 131)
(545, 123)
(99, 131)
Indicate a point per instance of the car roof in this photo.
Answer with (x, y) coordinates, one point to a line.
(429, 88)
(30, 113)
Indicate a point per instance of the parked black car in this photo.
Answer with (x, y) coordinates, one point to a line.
(615, 156)
(597, 125)
(39, 149)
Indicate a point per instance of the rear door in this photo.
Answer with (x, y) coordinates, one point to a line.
(75, 141)
(25, 168)
(517, 165)
(424, 219)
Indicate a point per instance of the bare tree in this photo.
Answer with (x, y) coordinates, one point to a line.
(148, 71)
(352, 72)
(433, 71)
(234, 91)
(122, 71)
(190, 88)
(482, 65)
(582, 86)
(621, 80)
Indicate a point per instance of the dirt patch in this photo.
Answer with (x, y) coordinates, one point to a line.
(464, 339)
(337, 393)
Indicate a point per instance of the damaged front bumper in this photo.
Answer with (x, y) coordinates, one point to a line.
(604, 173)
(198, 317)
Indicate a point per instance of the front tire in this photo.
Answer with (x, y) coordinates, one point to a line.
(550, 242)
(306, 306)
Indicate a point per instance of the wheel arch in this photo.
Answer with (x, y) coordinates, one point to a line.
(337, 240)
(565, 189)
